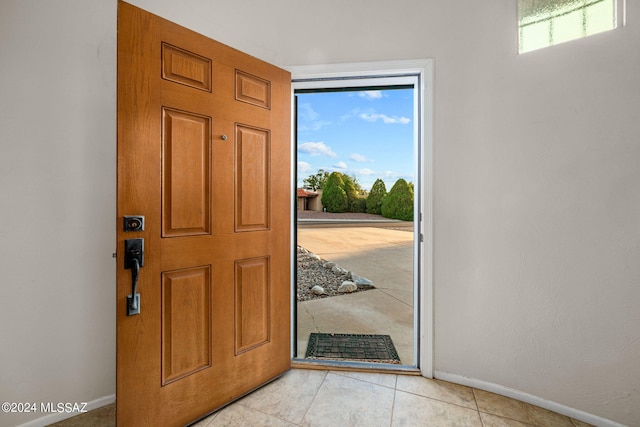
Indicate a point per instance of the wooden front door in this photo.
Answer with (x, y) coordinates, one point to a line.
(204, 156)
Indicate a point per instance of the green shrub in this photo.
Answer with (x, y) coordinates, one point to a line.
(362, 205)
(353, 200)
(399, 202)
(334, 198)
(376, 196)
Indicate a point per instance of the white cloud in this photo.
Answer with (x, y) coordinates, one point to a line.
(304, 167)
(314, 126)
(306, 112)
(340, 165)
(393, 176)
(386, 119)
(359, 158)
(309, 118)
(316, 149)
(364, 171)
(370, 94)
(347, 116)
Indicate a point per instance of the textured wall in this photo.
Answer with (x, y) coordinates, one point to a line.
(57, 202)
(536, 187)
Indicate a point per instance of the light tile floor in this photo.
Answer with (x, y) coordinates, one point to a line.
(329, 398)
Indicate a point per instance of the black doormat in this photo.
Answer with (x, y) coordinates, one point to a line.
(360, 347)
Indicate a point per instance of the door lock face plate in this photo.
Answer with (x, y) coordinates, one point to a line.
(133, 249)
(133, 223)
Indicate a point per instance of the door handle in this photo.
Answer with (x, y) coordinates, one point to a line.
(133, 260)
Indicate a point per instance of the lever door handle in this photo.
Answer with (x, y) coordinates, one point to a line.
(133, 304)
(133, 259)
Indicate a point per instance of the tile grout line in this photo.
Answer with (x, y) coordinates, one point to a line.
(363, 380)
(395, 393)
(314, 397)
(340, 374)
(475, 400)
(213, 417)
(481, 420)
(239, 402)
(526, 423)
(249, 408)
(393, 403)
(526, 405)
(473, 390)
(442, 401)
(393, 407)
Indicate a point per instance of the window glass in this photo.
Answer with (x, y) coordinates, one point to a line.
(544, 23)
(568, 27)
(600, 17)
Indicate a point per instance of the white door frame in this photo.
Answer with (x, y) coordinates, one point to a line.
(366, 74)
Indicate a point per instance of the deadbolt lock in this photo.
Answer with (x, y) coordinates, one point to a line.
(133, 223)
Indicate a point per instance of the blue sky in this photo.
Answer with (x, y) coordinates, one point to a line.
(366, 134)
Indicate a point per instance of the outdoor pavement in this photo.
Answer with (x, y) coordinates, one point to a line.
(383, 255)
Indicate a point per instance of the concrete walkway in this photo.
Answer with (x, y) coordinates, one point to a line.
(384, 256)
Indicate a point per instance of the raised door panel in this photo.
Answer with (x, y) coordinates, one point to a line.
(252, 178)
(184, 67)
(252, 303)
(186, 173)
(186, 322)
(253, 90)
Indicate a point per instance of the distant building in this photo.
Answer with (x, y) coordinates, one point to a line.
(309, 200)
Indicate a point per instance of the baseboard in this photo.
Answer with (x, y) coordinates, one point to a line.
(54, 418)
(527, 398)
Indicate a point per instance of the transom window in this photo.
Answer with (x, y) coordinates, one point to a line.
(544, 23)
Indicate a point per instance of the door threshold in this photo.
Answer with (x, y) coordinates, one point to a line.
(338, 365)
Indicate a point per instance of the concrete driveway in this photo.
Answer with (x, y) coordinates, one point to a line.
(385, 256)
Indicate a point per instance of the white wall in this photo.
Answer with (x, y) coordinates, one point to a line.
(57, 202)
(536, 187)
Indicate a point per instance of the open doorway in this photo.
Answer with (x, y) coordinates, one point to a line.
(358, 246)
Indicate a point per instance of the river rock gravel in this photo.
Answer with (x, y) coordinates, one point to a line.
(312, 272)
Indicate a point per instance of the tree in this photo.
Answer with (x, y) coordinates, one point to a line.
(316, 181)
(399, 202)
(359, 190)
(353, 199)
(334, 198)
(376, 197)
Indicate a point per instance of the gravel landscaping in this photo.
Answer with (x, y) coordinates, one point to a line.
(313, 270)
